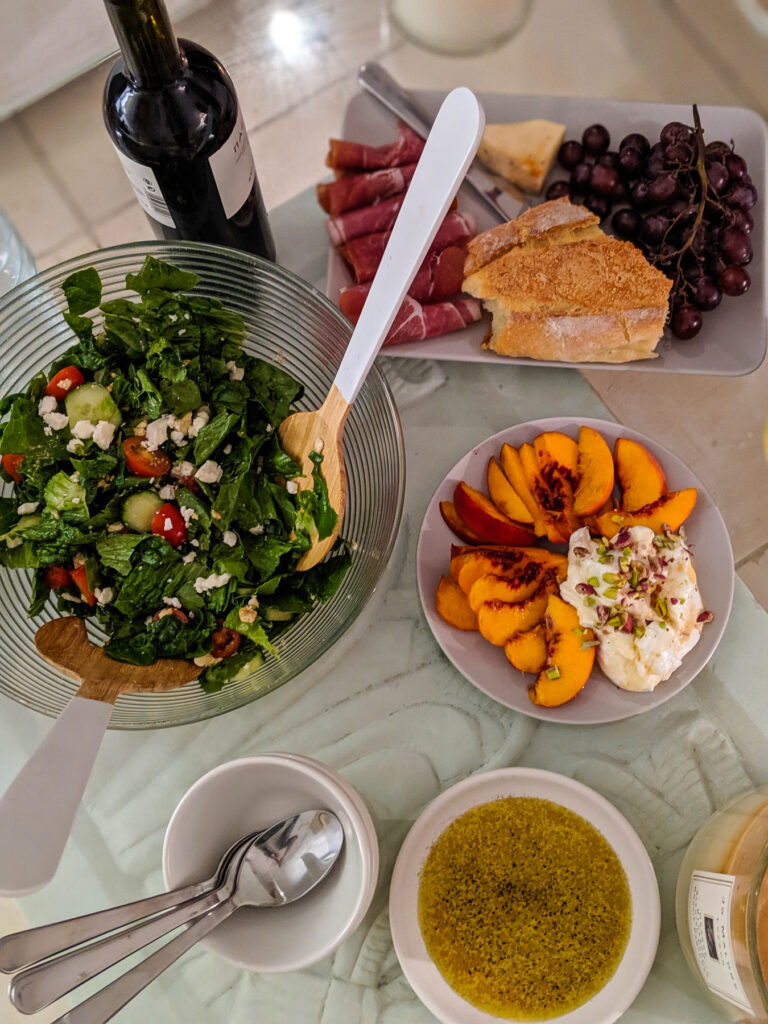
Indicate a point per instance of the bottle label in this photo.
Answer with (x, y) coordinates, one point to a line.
(145, 185)
(709, 924)
(233, 170)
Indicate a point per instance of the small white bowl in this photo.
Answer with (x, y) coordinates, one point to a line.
(618, 993)
(244, 795)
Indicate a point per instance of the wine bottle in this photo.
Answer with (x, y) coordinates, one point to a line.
(172, 114)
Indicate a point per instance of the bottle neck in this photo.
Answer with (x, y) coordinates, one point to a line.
(146, 39)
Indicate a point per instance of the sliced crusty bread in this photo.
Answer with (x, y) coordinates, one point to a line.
(560, 289)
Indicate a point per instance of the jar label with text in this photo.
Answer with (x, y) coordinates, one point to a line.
(709, 923)
(233, 170)
(145, 185)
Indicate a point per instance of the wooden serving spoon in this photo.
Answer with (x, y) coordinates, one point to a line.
(38, 808)
(448, 152)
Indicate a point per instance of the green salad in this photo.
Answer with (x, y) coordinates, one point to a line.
(150, 489)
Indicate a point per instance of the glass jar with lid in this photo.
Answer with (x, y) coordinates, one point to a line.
(721, 906)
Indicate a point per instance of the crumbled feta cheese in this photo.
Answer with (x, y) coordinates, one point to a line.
(103, 594)
(157, 432)
(75, 445)
(291, 486)
(183, 469)
(319, 444)
(235, 372)
(269, 428)
(167, 523)
(103, 434)
(83, 429)
(195, 542)
(141, 428)
(212, 582)
(114, 528)
(178, 437)
(200, 419)
(172, 602)
(189, 557)
(167, 493)
(204, 660)
(188, 513)
(209, 473)
(46, 404)
(47, 430)
(256, 530)
(78, 560)
(75, 478)
(28, 507)
(75, 501)
(14, 542)
(253, 601)
(70, 597)
(56, 420)
(65, 384)
(248, 614)
(230, 538)
(227, 449)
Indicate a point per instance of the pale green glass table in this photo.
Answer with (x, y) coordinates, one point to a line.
(386, 709)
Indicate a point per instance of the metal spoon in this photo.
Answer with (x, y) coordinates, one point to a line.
(279, 866)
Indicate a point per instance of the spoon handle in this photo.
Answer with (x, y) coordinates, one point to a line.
(108, 1001)
(39, 986)
(448, 152)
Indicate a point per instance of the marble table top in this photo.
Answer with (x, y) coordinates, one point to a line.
(386, 709)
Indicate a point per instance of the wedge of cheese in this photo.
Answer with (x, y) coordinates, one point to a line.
(523, 152)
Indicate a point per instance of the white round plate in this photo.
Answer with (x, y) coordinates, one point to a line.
(617, 995)
(487, 667)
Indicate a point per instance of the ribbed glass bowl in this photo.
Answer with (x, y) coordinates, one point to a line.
(287, 322)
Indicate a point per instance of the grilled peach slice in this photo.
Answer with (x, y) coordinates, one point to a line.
(504, 496)
(514, 472)
(594, 471)
(568, 664)
(510, 588)
(670, 510)
(641, 477)
(552, 529)
(452, 605)
(484, 519)
(467, 564)
(527, 651)
(498, 621)
(453, 520)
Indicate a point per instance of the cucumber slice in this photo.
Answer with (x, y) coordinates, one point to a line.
(276, 615)
(139, 508)
(93, 403)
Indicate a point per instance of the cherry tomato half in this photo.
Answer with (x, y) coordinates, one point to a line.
(80, 577)
(141, 461)
(63, 382)
(177, 612)
(57, 577)
(168, 522)
(12, 466)
(225, 642)
(190, 483)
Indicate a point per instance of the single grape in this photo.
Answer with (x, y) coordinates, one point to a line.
(558, 189)
(600, 205)
(707, 295)
(717, 175)
(654, 228)
(580, 176)
(636, 141)
(596, 139)
(639, 194)
(662, 189)
(570, 153)
(715, 265)
(620, 192)
(603, 179)
(737, 166)
(686, 321)
(693, 271)
(741, 196)
(626, 223)
(631, 162)
(742, 219)
(678, 153)
(683, 211)
(735, 245)
(717, 150)
(609, 159)
(734, 280)
(675, 131)
(655, 165)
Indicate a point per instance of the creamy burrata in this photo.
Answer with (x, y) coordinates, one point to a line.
(638, 592)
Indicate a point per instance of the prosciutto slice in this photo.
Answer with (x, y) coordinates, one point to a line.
(415, 321)
(364, 254)
(348, 193)
(366, 220)
(346, 155)
(440, 276)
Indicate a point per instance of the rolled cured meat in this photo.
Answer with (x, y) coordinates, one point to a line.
(440, 276)
(346, 155)
(366, 220)
(348, 193)
(415, 321)
(364, 254)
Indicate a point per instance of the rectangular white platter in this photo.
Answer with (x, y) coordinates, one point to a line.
(732, 341)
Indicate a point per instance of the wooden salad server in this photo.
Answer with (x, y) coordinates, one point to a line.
(39, 806)
(449, 150)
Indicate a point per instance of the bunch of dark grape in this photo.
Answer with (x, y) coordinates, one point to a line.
(685, 203)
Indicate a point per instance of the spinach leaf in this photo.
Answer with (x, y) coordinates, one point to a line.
(116, 551)
(156, 274)
(212, 434)
(82, 291)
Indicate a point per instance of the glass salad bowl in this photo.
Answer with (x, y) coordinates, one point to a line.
(287, 322)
